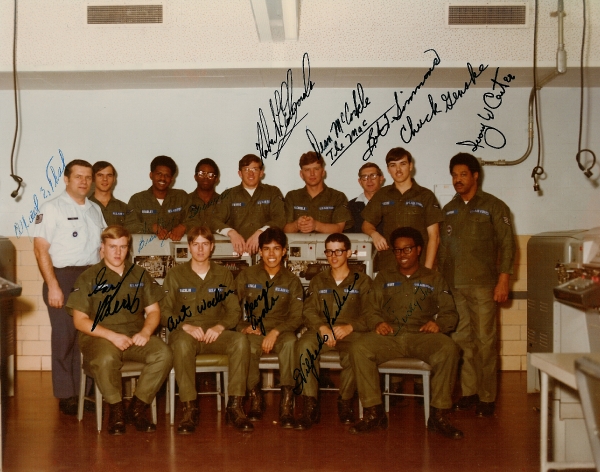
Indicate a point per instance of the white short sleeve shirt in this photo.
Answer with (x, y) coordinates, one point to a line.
(72, 230)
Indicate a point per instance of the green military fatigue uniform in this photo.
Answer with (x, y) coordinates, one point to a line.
(200, 212)
(271, 303)
(118, 303)
(331, 304)
(417, 207)
(477, 244)
(330, 206)
(204, 303)
(407, 303)
(246, 214)
(144, 210)
(114, 213)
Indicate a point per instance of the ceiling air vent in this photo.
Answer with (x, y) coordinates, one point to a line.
(124, 14)
(489, 15)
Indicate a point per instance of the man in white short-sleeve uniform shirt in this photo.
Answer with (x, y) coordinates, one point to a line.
(66, 242)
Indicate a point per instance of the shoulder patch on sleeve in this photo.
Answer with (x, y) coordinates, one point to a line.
(39, 217)
(506, 220)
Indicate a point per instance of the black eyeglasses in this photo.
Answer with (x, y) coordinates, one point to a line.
(331, 252)
(405, 250)
(365, 177)
(208, 175)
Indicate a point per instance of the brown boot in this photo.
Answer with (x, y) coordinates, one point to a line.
(116, 419)
(346, 410)
(188, 423)
(373, 417)
(235, 415)
(438, 422)
(286, 407)
(136, 415)
(256, 404)
(311, 413)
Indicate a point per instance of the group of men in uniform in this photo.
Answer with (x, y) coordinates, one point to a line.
(408, 310)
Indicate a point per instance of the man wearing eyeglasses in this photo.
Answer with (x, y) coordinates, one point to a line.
(315, 208)
(248, 209)
(410, 314)
(334, 313)
(370, 178)
(160, 210)
(204, 199)
(404, 203)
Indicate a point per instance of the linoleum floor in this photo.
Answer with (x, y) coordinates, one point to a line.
(39, 438)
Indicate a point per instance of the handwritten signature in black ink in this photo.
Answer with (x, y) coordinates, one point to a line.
(257, 321)
(308, 365)
(284, 114)
(106, 307)
(340, 302)
(220, 295)
(492, 101)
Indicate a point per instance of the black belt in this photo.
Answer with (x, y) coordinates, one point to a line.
(71, 268)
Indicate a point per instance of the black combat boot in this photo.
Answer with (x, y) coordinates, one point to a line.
(345, 410)
(136, 415)
(116, 418)
(235, 415)
(286, 407)
(373, 417)
(256, 404)
(311, 413)
(438, 422)
(188, 423)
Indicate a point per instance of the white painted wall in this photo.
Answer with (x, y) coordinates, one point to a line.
(130, 127)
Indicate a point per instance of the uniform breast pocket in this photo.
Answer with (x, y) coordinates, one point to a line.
(480, 226)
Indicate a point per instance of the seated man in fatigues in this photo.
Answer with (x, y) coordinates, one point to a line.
(108, 304)
(160, 210)
(249, 208)
(199, 310)
(410, 315)
(333, 312)
(272, 299)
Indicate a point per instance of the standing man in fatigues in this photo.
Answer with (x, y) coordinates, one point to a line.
(113, 210)
(204, 198)
(370, 178)
(315, 208)
(476, 259)
(160, 210)
(114, 305)
(272, 300)
(199, 310)
(248, 209)
(404, 203)
(334, 313)
(410, 316)
(66, 242)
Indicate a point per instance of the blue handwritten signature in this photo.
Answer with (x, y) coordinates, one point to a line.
(53, 174)
(492, 101)
(284, 114)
